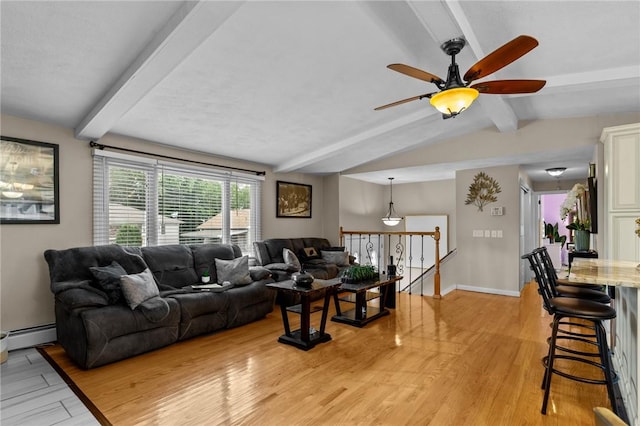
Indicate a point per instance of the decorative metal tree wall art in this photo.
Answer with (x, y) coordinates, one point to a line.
(483, 190)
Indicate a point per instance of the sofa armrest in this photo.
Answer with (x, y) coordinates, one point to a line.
(75, 298)
(284, 267)
(259, 273)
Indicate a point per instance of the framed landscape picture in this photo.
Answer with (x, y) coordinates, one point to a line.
(29, 186)
(293, 200)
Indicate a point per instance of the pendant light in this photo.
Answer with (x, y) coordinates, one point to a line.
(392, 218)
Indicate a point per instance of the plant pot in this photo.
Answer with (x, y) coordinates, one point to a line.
(205, 280)
(582, 240)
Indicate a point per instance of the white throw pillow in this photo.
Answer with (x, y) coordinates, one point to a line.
(235, 271)
(138, 288)
(291, 259)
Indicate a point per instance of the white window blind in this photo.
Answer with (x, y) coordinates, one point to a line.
(140, 201)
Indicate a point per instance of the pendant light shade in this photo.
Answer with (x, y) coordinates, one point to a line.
(454, 101)
(392, 218)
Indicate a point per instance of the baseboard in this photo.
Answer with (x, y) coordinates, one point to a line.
(488, 290)
(32, 336)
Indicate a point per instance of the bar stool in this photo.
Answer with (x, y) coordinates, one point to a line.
(594, 313)
(558, 290)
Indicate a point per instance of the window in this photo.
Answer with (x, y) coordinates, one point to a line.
(144, 202)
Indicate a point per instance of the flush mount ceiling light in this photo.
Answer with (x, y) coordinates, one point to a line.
(392, 218)
(556, 171)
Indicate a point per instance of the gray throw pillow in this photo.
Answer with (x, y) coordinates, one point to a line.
(290, 258)
(338, 258)
(138, 288)
(108, 277)
(235, 271)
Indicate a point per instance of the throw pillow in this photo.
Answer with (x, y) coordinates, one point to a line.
(138, 288)
(290, 258)
(338, 258)
(108, 278)
(235, 271)
(309, 253)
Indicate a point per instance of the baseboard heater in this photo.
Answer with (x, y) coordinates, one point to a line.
(31, 336)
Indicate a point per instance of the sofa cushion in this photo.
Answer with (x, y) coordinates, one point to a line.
(171, 265)
(259, 273)
(108, 278)
(235, 271)
(274, 248)
(204, 256)
(74, 264)
(138, 288)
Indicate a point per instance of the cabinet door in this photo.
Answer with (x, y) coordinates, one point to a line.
(622, 155)
(625, 245)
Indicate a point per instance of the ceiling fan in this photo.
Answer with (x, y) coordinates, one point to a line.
(456, 95)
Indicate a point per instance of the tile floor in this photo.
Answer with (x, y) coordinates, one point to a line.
(32, 393)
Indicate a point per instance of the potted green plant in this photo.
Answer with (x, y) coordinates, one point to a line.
(359, 273)
(205, 276)
(551, 232)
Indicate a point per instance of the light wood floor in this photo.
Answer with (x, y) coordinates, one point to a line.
(467, 359)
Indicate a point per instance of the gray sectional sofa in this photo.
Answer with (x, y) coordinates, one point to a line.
(269, 254)
(103, 315)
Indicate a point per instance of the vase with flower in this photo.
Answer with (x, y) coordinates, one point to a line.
(576, 205)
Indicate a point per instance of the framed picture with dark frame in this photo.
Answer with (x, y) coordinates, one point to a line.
(29, 182)
(293, 200)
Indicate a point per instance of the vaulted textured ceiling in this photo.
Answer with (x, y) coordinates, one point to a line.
(293, 84)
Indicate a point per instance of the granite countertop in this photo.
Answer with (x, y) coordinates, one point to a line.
(606, 272)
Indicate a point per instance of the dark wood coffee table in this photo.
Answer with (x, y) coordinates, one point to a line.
(302, 338)
(363, 313)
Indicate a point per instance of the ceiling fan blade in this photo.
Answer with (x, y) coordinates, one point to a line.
(501, 57)
(505, 87)
(415, 98)
(416, 73)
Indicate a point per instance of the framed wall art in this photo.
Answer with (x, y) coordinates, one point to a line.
(293, 200)
(29, 182)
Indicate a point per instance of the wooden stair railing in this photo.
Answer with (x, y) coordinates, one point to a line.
(399, 249)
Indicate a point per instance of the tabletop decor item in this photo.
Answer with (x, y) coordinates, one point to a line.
(358, 273)
(302, 279)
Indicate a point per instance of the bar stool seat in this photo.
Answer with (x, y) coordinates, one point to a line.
(583, 293)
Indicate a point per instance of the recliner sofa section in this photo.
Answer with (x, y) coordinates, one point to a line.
(95, 331)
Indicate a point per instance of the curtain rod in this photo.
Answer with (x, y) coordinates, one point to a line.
(100, 146)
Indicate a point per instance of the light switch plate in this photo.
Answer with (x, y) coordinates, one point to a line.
(487, 233)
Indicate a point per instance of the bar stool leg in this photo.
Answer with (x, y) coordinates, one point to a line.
(607, 365)
(550, 358)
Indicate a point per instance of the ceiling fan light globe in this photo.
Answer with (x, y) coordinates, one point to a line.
(453, 101)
